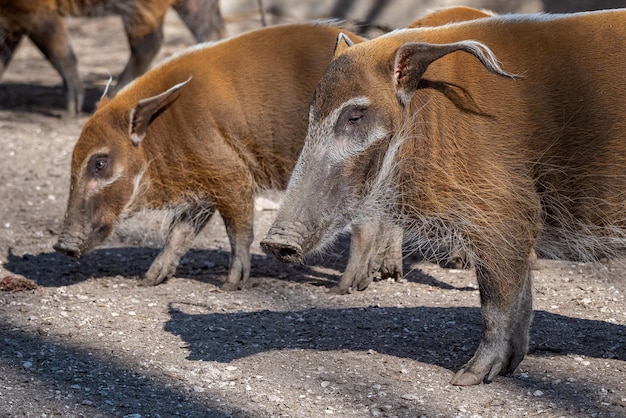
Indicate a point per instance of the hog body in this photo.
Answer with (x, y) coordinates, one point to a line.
(43, 22)
(452, 14)
(425, 125)
(203, 132)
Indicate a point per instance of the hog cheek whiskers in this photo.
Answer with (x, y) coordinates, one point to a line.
(138, 188)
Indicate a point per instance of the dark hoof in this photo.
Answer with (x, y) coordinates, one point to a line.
(230, 287)
(463, 378)
(340, 290)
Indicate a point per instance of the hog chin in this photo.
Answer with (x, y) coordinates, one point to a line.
(73, 246)
(290, 244)
(285, 245)
(70, 246)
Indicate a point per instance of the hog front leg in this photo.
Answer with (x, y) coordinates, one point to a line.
(506, 307)
(49, 34)
(240, 234)
(203, 18)
(372, 249)
(143, 49)
(183, 230)
(10, 37)
(391, 266)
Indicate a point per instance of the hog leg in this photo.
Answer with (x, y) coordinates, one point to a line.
(362, 263)
(240, 237)
(143, 49)
(202, 17)
(371, 250)
(391, 266)
(506, 307)
(50, 35)
(237, 210)
(10, 37)
(182, 232)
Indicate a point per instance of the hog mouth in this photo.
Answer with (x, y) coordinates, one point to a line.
(70, 248)
(285, 245)
(75, 246)
(284, 251)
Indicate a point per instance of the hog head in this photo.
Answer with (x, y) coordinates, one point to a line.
(108, 170)
(345, 172)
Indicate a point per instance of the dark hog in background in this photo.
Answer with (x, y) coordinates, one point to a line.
(43, 22)
(205, 131)
(425, 125)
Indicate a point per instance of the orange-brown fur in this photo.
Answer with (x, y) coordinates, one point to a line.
(503, 164)
(237, 126)
(446, 15)
(43, 21)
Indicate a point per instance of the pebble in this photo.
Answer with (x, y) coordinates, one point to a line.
(538, 393)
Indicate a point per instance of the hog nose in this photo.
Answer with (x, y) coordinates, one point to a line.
(66, 250)
(285, 252)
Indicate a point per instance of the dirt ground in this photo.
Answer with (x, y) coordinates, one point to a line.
(87, 341)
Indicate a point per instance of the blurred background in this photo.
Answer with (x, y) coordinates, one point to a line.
(389, 14)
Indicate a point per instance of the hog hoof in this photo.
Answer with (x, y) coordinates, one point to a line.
(147, 282)
(338, 290)
(229, 287)
(363, 283)
(463, 378)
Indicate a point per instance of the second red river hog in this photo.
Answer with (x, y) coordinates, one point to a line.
(43, 21)
(203, 132)
(501, 134)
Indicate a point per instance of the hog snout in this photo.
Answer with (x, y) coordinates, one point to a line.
(287, 252)
(285, 245)
(67, 249)
(69, 245)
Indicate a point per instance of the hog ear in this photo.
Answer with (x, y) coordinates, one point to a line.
(343, 43)
(413, 58)
(104, 99)
(142, 114)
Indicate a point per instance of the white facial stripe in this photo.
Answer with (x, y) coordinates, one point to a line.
(356, 101)
(136, 188)
(104, 183)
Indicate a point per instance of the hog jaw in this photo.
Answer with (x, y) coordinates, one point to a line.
(75, 246)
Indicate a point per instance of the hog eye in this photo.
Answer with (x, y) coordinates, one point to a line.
(353, 120)
(98, 165)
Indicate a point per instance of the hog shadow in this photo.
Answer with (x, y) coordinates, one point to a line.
(204, 265)
(41, 99)
(445, 337)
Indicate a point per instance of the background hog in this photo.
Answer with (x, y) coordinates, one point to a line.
(441, 137)
(202, 132)
(43, 22)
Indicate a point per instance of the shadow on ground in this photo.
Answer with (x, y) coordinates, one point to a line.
(204, 265)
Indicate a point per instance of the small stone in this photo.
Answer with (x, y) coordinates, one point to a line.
(325, 383)
(538, 393)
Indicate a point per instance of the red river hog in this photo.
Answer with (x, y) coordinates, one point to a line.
(43, 22)
(204, 131)
(502, 134)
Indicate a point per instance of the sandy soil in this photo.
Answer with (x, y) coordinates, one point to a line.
(89, 342)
